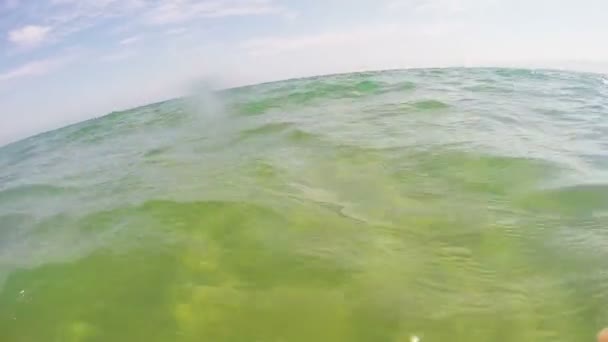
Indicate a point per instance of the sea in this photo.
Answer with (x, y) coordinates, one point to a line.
(423, 205)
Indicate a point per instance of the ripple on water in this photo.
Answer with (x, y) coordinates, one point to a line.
(430, 105)
(449, 204)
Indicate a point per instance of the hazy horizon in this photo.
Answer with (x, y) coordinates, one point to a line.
(66, 61)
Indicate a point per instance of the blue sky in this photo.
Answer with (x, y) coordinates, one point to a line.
(63, 61)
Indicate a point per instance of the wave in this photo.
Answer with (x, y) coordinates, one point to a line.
(269, 128)
(33, 191)
(308, 92)
(581, 199)
(156, 152)
(429, 105)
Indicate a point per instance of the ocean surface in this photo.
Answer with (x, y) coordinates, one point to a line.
(431, 205)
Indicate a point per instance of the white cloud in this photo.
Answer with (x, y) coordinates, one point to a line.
(160, 12)
(175, 11)
(130, 40)
(75, 15)
(36, 68)
(29, 36)
(66, 17)
(113, 5)
(437, 6)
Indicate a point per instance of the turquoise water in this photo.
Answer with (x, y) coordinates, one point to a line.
(447, 204)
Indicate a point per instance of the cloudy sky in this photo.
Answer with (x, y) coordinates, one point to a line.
(63, 61)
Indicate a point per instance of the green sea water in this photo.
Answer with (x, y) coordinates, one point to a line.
(445, 204)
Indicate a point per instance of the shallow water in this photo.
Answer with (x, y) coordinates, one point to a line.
(448, 204)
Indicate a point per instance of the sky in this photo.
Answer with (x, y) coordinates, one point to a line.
(64, 61)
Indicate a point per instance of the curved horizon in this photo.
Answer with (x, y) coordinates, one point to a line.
(64, 61)
(320, 76)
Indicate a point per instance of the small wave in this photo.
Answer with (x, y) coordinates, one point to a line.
(263, 170)
(256, 107)
(320, 90)
(280, 131)
(404, 86)
(156, 152)
(169, 209)
(430, 105)
(89, 132)
(489, 88)
(575, 199)
(523, 73)
(367, 86)
(32, 190)
(268, 128)
(398, 109)
(309, 92)
(302, 136)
